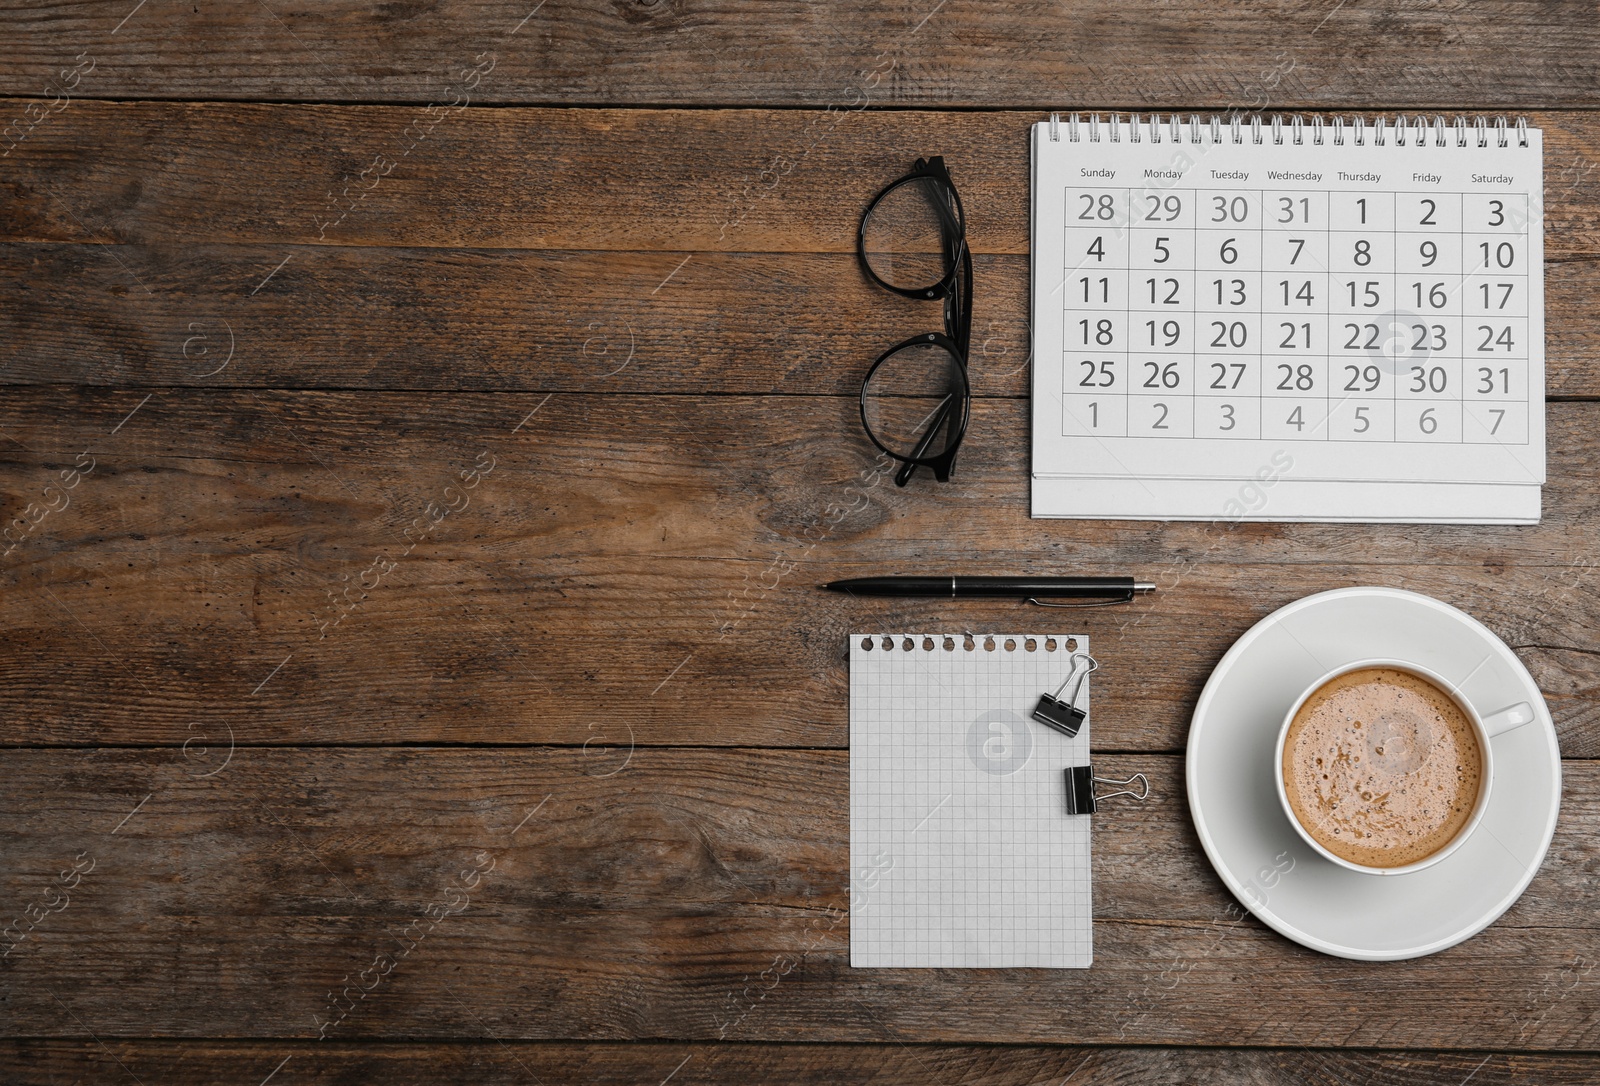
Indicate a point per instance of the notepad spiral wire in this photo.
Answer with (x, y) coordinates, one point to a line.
(968, 641)
(1233, 128)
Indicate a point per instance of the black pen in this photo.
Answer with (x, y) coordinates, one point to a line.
(1111, 589)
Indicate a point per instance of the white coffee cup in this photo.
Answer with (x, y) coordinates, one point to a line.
(1486, 726)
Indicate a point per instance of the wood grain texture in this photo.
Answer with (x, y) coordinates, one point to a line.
(164, 244)
(508, 320)
(649, 322)
(489, 1061)
(673, 181)
(1091, 52)
(515, 320)
(638, 566)
(680, 894)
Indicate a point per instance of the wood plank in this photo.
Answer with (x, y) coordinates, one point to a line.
(1092, 52)
(510, 320)
(673, 181)
(48, 1061)
(211, 265)
(635, 568)
(520, 320)
(689, 895)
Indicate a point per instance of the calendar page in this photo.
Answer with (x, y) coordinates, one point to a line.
(1362, 302)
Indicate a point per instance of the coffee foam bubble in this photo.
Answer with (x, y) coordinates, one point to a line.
(1382, 767)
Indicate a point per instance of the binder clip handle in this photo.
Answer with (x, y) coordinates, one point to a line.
(1065, 716)
(1081, 796)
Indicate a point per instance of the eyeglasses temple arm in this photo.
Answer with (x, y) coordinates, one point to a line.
(962, 333)
(942, 412)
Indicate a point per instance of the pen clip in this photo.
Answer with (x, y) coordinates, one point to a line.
(1097, 603)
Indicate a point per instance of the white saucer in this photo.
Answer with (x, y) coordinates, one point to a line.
(1248, 837)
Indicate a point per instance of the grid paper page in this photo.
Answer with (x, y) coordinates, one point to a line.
(962, 854)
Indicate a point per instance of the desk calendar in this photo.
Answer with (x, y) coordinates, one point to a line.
(1288, 320)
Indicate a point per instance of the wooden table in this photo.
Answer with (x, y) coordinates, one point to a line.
(427, 422)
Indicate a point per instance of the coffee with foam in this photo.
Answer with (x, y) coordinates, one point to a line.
(1381, 767)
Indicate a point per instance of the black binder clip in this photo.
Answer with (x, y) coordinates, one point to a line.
(1065, 716)
(1081, 798)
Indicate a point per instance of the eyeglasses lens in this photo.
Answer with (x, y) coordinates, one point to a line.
(916, 394)
(904, 237)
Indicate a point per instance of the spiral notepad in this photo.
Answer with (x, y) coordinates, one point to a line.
(1248, 319)
(962, 852)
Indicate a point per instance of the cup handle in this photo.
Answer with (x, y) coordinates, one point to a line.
(1513, 717)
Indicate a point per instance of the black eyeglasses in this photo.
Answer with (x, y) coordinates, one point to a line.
(915, 401)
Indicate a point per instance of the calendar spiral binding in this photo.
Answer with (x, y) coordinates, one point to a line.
(1233, 128)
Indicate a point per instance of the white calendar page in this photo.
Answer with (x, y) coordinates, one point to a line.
(1370, 314)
